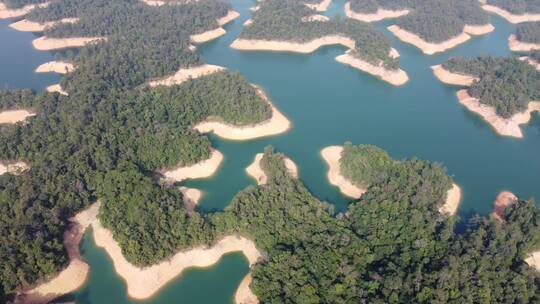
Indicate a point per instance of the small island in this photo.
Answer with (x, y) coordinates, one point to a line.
(258, 172)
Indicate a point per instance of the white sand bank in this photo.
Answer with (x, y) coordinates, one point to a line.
(394, 77)
(518, 46)
(59, 67)
(186, 74)
(503, 126)
(453, 198)
(477, 30)
(231, 15)
(47, 44)
(254, 169)
(75, 274)
(381, 14)
(14, 116)
(56, 88)
(531, 61)
(248, 22)
(511, 17)
(202, 169)
(321, 6)
(6, 13)
(504, 199)
(243, 294)
(332, 156)
(215, 33)
(313, 18)
(452, 78)
(427, 47)
(285, 46)
(32, 26)
(15, 168)
(277, 124)
(191, 197)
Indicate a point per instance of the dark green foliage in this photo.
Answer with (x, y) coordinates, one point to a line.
(535, 55)
(371, 6)
(528, 32)
(14, 4)
(282, 20)
(364, 164)
(518, 7)
(508, 84)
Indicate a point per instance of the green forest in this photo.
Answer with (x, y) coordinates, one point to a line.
(282, 20)
(528, 32)
(508, 84)
(517, 6)
(14, 4)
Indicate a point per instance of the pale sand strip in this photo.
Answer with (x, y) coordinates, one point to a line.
(321, 6)
(59, 67)
(72, 277)
(155, 2)
(511, 17)
(504, 199)
(202, 169)
(381, 14)
(254, 169)
(186, 74)
(47, 44)
(215, 33)
(248, 22)
(191, 197)
(427, 47)
(394, 77)
(453, 78)
(313, 18)
(32, 26)
(6, 13)
(243, 294)
(503, 126)
(277, 124)
(332, 156)
(15, 168)
(477, 30)
(531, 61)
(56, 88)
(518, 46)
(14, 116)
(453, 198)
(285, 46)
(255, 8)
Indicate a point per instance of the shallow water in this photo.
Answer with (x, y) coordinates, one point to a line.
(328, 103)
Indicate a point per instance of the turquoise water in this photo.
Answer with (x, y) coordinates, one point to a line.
(328, 103)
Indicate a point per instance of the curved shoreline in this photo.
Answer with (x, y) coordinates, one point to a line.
(202, 169)
(319, 7)
(217, 32)
(332, 156)
(243, 294)
(452, 78)
(518, 46)
(15, 168)
(254, 169)
(509, 16)
(14, 116)
(315, 17)
(381, 14)
(503, 126)
(453, 199)
(48, 44)
(191, 197)
(396, 78)
(531, 61)
(185, 74)
(59, 67)
(429, 48)
(32, 26)
(56, 88)
(504, 199)
(6, 13)
(295, 47)
(277, 124)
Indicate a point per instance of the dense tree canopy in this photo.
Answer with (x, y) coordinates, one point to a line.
(528, 32)
(518, 6)
(13, 4)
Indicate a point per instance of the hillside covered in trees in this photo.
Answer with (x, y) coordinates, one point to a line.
(13, 4)
(432, 20)
(508, 84)
(518, 7)
(528, 32)
(282, 20)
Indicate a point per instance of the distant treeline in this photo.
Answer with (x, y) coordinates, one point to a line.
(528, 32)
(14, 4)
(517, 6)
(508, 84)
(433, 20)
(282, 20)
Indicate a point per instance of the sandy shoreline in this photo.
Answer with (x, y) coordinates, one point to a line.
(381, 14)
(452, 78)
(503, 126)
(186, 74)
(243, 294)
(48, 44)
(504, 199)
(202, 169)
(509, 16)
(14, 116)
(277, 124)
(59, 67)
(531, 61)
(32, 26)
(215, 33)
(332, 157)
(56, 88)
(285, 46)
(519, 46)
(453, 198)
(254, 169)
(15, 168)
(191, 197)
(313, 18)
(6, 13)
(396, 78)
(427, 47)
(321, 6)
